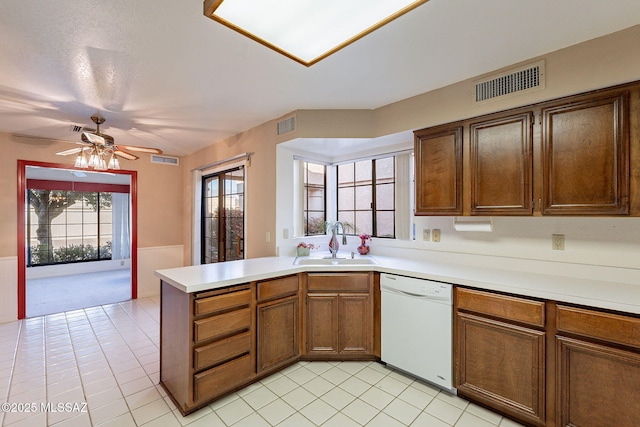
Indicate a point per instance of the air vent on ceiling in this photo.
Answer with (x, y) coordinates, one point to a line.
(286, 125)
(520, 80)
(165, 160)
(75, 128)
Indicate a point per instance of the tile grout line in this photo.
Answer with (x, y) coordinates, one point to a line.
(13, 367)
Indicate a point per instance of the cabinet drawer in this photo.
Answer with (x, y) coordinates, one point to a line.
(222, 324)
(219, 351)
(505, 307)
(222, 302)
(222, 378)
(603, 326)
(277, 288)
(339, 282)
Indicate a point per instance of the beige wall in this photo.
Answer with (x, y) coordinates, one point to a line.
(260, 186)
(160, 217)
(602, 62)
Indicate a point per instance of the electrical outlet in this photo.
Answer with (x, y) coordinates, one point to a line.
(426, 234)
(557, 242)
(285, 233)
(435, 235)
(267, 237)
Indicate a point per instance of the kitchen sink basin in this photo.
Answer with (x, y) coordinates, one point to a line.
(333, 261)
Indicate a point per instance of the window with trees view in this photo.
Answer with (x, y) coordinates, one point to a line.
(366, 196)
(68, 226)
(314, 209)
(223, 216)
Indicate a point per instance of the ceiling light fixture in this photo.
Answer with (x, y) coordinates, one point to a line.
(97, 158)
(306, 31)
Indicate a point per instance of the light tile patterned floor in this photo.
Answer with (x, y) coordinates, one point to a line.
(107, 358)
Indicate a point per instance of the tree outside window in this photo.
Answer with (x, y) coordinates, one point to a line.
(68, 226)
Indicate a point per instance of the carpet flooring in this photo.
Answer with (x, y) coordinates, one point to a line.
(66, 293)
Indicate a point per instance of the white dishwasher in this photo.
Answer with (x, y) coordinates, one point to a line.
(416, 328)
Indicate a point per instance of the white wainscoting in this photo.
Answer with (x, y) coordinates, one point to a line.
(156, 258)
(8, 289)
(42, 272)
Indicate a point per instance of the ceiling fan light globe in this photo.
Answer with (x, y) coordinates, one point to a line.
(114, 163)
(81, 161)
(101, 164)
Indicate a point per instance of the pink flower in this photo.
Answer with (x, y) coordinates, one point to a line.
(306, 245)
(365, 236)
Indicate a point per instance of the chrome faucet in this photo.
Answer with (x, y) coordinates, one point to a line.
(333, 243)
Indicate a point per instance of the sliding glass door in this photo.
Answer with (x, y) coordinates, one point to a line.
(223, 216)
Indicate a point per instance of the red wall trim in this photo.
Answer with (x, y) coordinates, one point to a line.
(22, 256)
(45, 184)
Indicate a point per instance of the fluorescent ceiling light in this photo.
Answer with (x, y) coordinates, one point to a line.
(306, 30)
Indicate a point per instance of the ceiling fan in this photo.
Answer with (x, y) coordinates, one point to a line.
(100, 151)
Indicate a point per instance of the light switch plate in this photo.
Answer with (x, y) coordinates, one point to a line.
(426, 234)
(557, 242)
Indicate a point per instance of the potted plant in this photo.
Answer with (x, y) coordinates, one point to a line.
(303, 248)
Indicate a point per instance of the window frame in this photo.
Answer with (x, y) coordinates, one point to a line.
(374, 203)
(305, 196)
(222, 224)
(64, 218)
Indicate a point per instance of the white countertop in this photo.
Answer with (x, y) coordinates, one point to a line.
(596, 293)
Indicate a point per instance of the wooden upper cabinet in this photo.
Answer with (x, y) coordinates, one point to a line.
(585, 143)
(501, 165)
(438, 153)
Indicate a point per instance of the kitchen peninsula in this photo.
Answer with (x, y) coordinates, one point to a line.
(226, 325)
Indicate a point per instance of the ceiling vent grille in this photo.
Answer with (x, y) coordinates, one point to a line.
(286, 125)
(75, 128)
(165, 160)
(520, 80)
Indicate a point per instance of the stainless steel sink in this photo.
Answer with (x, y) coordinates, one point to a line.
(333, 261)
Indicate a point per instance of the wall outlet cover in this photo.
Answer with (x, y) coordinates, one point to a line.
(557, 242)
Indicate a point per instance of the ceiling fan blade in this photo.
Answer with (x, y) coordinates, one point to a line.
(125, 155)
(93, 138)
(69, 152)
(140, 149)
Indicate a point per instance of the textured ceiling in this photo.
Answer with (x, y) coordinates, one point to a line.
(165, 76)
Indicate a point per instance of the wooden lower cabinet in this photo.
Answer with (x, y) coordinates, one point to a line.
(339, 316)
(598, 368)
(598, 385)
(355, 317)
(217, 341)
(207, 343)
(500, 353)
(322, 324)
(545, 363)
(502, 365)
(278, 333)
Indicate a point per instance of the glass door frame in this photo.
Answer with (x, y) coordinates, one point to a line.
(222, 224)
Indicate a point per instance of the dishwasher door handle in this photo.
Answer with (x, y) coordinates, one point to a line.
(399, 292)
